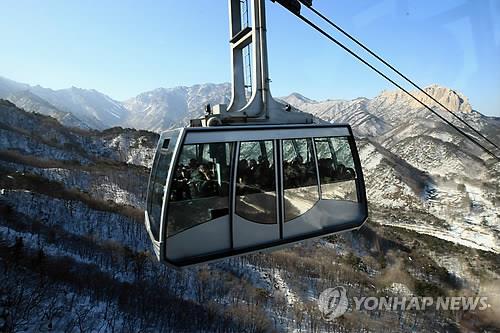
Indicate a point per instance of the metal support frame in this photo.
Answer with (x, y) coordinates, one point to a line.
(260, 107)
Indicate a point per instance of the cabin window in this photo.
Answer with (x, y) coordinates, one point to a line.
(200, 186)
(256, 182)
(300, 180)
(165, 144)
(336, 168)
(157, 187)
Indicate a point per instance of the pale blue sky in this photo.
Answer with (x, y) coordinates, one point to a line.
(125, 47)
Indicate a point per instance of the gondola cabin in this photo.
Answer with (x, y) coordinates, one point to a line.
(217, 192)
(252, 175)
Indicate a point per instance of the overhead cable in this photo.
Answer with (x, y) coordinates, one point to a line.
(355, 40)
(352, 53)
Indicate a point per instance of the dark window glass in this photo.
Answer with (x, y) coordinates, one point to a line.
(165, 144)
(157, 187)
(300, 181)
(256, 182)
(200, 187)
(336, 168)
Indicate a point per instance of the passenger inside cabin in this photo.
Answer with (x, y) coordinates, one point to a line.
(202, 181)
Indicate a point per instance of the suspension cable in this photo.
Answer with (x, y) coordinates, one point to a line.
(345, 33)
(352, 53)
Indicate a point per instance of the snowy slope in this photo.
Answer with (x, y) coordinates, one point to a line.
(94, 109)
(161, 109)
(353, 112)
(30, 102)
(99, 110)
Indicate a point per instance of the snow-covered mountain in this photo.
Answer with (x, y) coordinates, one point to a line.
(75, 255)
(161, 109)
(354, 112)
(415, 162)
(373, 117)
(396, 106)
(94, 109)
(8, 87)
(155, 110)
(27, 100)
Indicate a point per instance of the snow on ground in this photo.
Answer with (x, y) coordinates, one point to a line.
(483, 210)
(77, 218)
(400, 289)
(34, 242)
(280, 284)
(457, 234)
(471, 217)
(370, 157)
(457, 267)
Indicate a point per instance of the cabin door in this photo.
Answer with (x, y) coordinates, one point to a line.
(256, 200)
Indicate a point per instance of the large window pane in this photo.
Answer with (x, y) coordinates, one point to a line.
(157, 186)
(300, 182)
(200, 188)
(256, 182)
(336, 168)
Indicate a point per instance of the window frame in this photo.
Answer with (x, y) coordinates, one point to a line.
(276, 187)
(355, 160)
(282, 177)
(172, 137)
(179, 151)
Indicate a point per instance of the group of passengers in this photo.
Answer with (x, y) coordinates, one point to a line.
(331, 171)
(255, 176)
(197, 180)
(194, 180)
(297, 173)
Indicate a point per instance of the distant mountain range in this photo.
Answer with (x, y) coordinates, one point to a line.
(154, 110)
(164, 108)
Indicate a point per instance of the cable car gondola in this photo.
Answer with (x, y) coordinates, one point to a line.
(252, 176)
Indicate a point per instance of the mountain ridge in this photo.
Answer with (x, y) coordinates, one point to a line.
(163, 108)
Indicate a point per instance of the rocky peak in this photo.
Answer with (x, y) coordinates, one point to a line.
(297, 99)
(453, 100)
